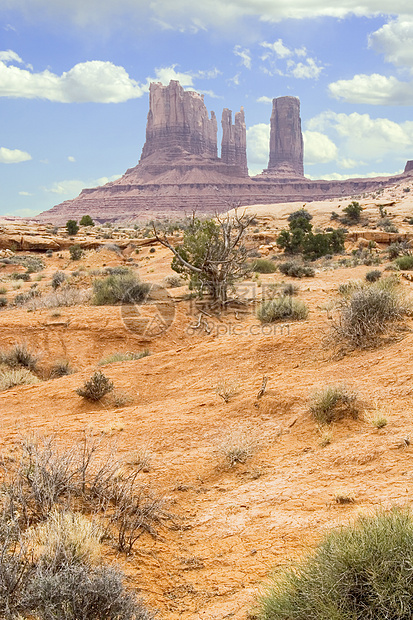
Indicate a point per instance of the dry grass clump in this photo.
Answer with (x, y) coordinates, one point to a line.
(64, 296)
(121, 398)
(65, 537)
(332, 403)
(226, 389)
(281, 308)
(96, 387)
(360, 571)
(123, 357)
(369, 312)
(237, 446)
(17, 376)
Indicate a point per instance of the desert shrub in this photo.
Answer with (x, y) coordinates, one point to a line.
(3, 301)
(373, 275)
(346, 289)
(290, 289)
(76, 252)
(125, 287)
(173, 282)
(20, 276)
(404, 263)
(295, 269)
(353, 212)
(398, 248)
(332, 403)
(226, 389)
(361, 572)
(116, 271)
(263, 265)
(31, 262)
(96, 387)
(86, 220)
(300, 214)
(280, 308)
(19, 355)
(61, 368)
(369, 312)
(123, 357)
(78, 592)
(16, 376)
(63, 297)
(57, 279)
(72, 227)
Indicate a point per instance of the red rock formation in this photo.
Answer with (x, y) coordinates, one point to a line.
(178, 121)
(234, 140)
(286, 139)
(179, 170)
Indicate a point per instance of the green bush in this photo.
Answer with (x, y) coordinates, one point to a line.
(86, 220)
(58, 278)
(263, 265)
(332, 403)
(280, 308)
(373, 275)
(96, 387)
(72, 227)
(404, 263)
(124, 287)
(353, 212)
(295, 269)
(76, 252)
(358, 572)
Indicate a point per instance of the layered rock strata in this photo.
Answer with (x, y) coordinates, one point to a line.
(179, 171)
(178, 120)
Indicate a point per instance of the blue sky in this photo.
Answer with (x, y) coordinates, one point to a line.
(74, 78)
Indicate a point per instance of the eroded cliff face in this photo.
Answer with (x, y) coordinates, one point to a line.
(179, 171)
(234, 140)
(178, 121)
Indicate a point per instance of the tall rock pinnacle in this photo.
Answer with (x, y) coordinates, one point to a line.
(178, 121)
(286, 140)
(234, 140)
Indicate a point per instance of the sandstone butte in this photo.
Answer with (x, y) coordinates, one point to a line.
(180, 172)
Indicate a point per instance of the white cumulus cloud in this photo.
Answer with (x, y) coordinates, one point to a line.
(92, 81)
(373, 89)
(258, 147)
(395, 41)
(362, 137)
(318, 148)
(13, 156)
